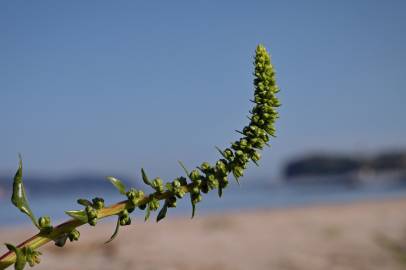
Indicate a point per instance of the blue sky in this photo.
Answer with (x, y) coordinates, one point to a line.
(113, 86)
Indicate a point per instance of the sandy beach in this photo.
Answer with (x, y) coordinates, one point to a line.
(361, 235)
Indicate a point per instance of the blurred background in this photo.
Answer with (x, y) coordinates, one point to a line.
(96, 88)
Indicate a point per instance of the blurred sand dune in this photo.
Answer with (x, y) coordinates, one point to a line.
(362, 235)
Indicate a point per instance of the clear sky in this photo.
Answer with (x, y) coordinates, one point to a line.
(113, 86)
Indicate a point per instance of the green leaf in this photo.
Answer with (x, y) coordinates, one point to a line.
(145, 178)
(79, 215)
(220, 191)
(118, 184)
(221, 152)
(162, 213)
(184, 168)
(21, 260)
(19, 197)
(236, 178)
(193, 210)
(147, 213)
(115, 233)
(84, 202)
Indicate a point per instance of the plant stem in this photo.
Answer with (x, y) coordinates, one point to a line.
(40, 239)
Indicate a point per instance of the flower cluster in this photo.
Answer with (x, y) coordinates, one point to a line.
(207, 177)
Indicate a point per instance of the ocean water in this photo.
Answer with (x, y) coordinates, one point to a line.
(244, 197)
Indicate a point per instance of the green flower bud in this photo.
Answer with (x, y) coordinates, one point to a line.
(169, 187)
(266, 116)
(253, 128)
(45, 225)
(238, 171)
(258, 99)
(248, 132)
(243, 143)
(195, 175)
(74, 235)
(239, 154)
(98, 203)
(205, 167)
(153, 205)
(91, 215)
(124, 212)
(176, 183)
(44, 221)
(31, 256)
(255, 119)
(124, 218)
(221, 167)
(195, 190)
(258, 143)
(157, 184)
(256, 156)
(228, 154)
(236, 146)
(212, 182)
(135, 196)
(93, 222)
(179, 192)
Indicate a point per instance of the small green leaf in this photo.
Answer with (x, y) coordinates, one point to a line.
(220, 191)
(21, 260)
(84, 202)
(79, 215)
(221, 152)
(115, 231)
(193, 210)
(11, 247)
(19, 197)
(145, 178)
(236, 178)
(118, 184)
(183, 167)
(162, 213)
(147, 213)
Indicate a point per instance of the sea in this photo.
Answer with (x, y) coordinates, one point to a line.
(246, 196)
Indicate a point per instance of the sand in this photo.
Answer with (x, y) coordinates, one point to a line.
(362, 235)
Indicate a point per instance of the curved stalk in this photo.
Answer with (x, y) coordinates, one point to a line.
(39, 239)
(204, 178)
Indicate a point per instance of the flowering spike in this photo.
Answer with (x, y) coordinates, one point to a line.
(204, 178)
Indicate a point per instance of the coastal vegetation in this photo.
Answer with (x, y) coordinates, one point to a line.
(331, 165)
